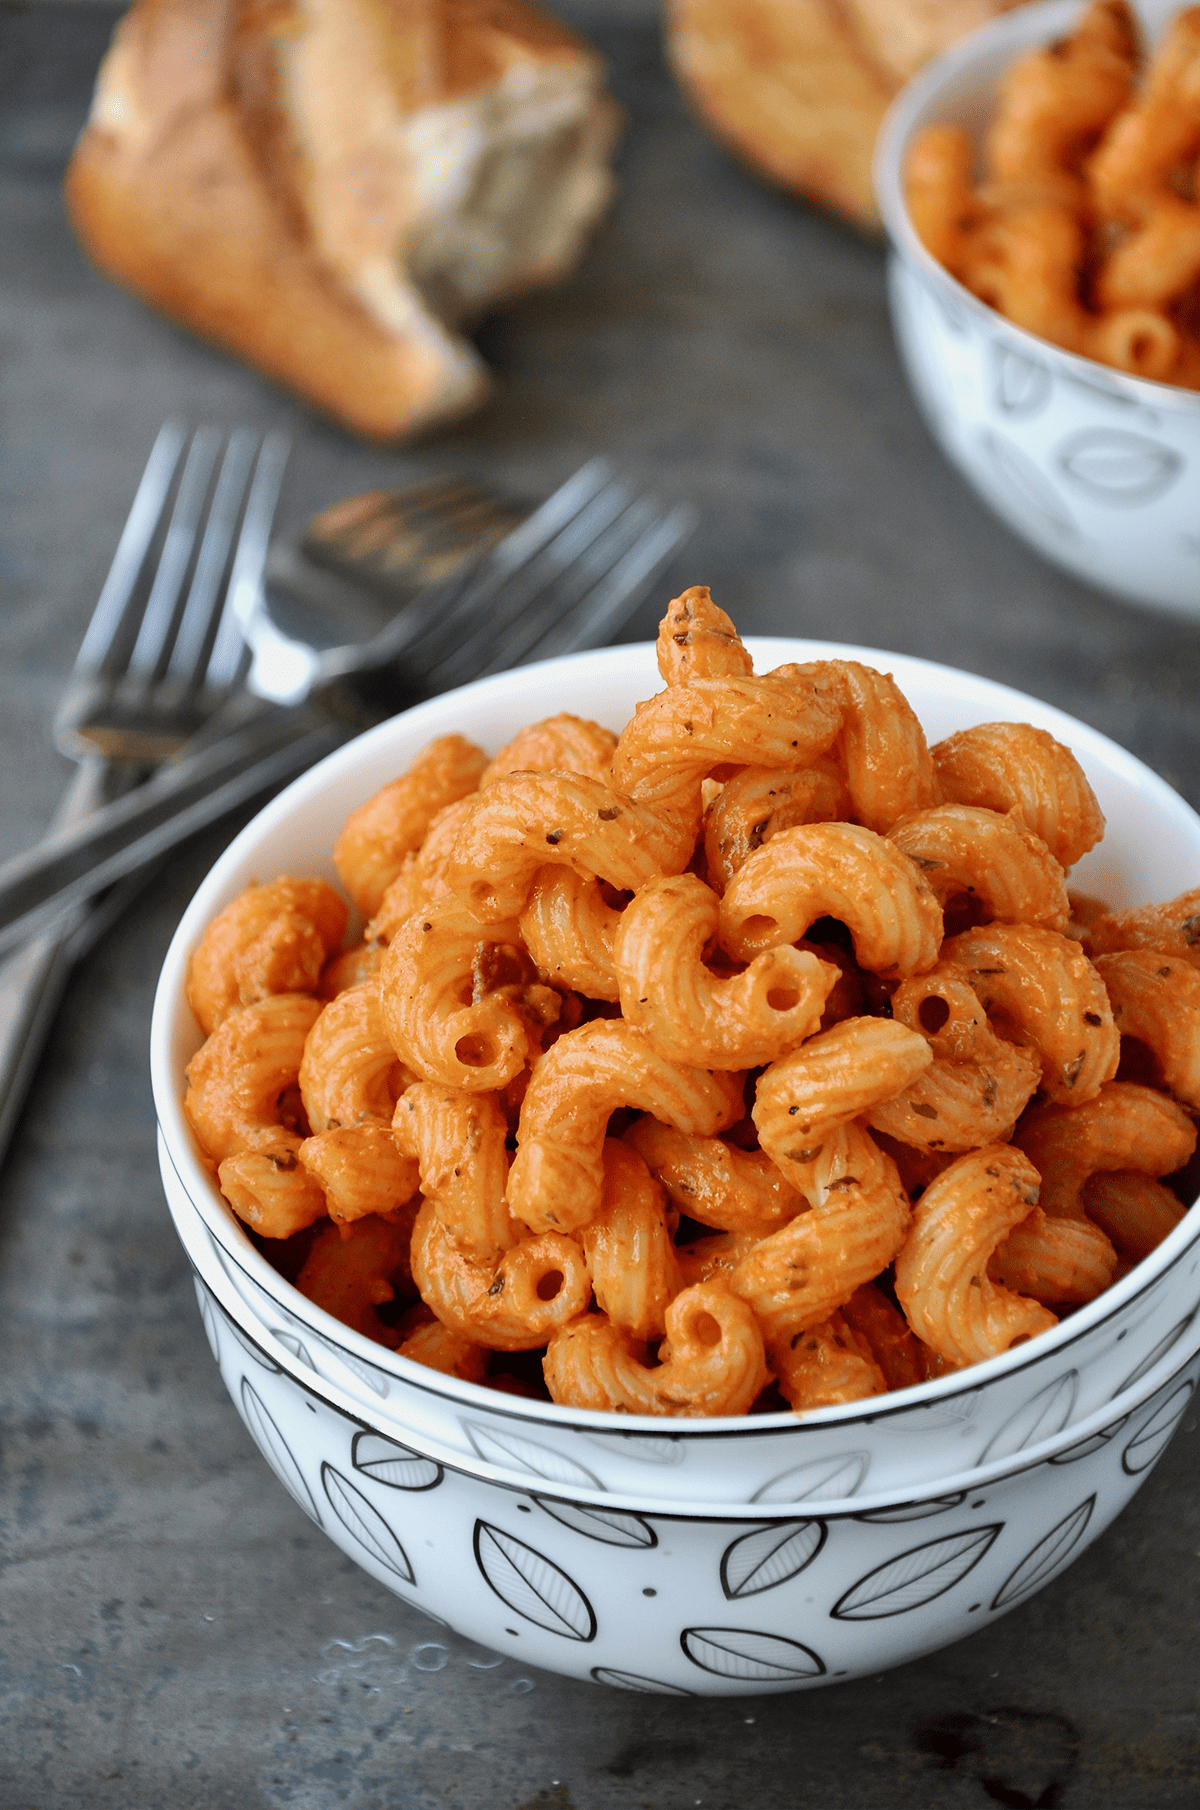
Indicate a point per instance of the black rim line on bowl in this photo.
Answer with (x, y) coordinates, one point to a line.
(899, 126)
(789, 647)
(721, 1427)
(839, 1508)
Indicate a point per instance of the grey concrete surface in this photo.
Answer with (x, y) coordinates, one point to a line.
(173, 1632)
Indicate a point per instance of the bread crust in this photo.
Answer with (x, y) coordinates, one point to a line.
(799, 88)
(200, 185)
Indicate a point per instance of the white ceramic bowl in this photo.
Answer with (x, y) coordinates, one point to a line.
(1097, 470)
(669, 1595)
(898, 1442)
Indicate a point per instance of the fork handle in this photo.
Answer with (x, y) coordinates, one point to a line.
(75, 862)
(33, 980)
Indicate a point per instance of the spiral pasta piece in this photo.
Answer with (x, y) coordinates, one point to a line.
(942, 1280)
(833, 1078)
(978, 1083)
(716, 1259)
(421, 881)
(881, 748)
(558, 744)
(1161, 129)
(270, 939)
(874, 1321)
(1173, 929)
(836, 870)
(1154, 264)
(1044, 986)
(713, 1182)
(939, 192)
(677, 737)
(514, 1305)
(378, 835)
(1054, 102)
(239, 1084)
(1059, 1262)
(857, 1220)
(458, 1143)
(825, 1366)
(526, 820)
(1134, 1211)
(353, 968)
(757, 803)
(629, 1247)
(1125, 1127)
(712, 1362)
(452, 994)
(696, 640)
(684, 1008)
(557, 1174)
(359, 1170)
(351, 1273)
(993, 858)
(435, 1346)
(1015, 767)
(1157, 1000)
(568, 927)
(349, 1072)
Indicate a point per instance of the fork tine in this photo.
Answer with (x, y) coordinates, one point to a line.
(541, 591)
(504, 572)
(245, 579)
(137, 536)
(620, 591)
(158, 618)
(196, 628)
(567, 593)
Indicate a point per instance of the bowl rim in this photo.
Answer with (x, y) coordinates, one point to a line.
(1017, 30)
(1115, 1413)
(628, 662)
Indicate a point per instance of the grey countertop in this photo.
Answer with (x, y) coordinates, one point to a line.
(173, 1631)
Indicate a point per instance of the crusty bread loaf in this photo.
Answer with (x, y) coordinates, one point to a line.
(799, 88)
(329, 188)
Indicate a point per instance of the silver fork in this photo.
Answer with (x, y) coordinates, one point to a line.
(560, 581)
(154, 663)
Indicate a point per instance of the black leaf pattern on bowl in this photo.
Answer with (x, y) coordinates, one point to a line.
(915, 1577)
(208, 1317)
(647, 1448)
(768, 1556)
(1086, 1447)
(249, 1347)
(393, 1464)
(915, 1511)
(821, 1480)
(1111, 465)
(1160, 1351)
(1043, 1415)
(374, 1379)
(364, 1522)
(1149, 1443)
(511, 1451)
(531, 1585)
(1021, 386)
(1024, 485)
(747, 1654)
(1048, 1556)
(608, 1525)
(632, 1681)
(293, 1343)
(275, 1449)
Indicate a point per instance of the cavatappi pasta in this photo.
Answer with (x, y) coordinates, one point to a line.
(1083, 224)
(753, 1057)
